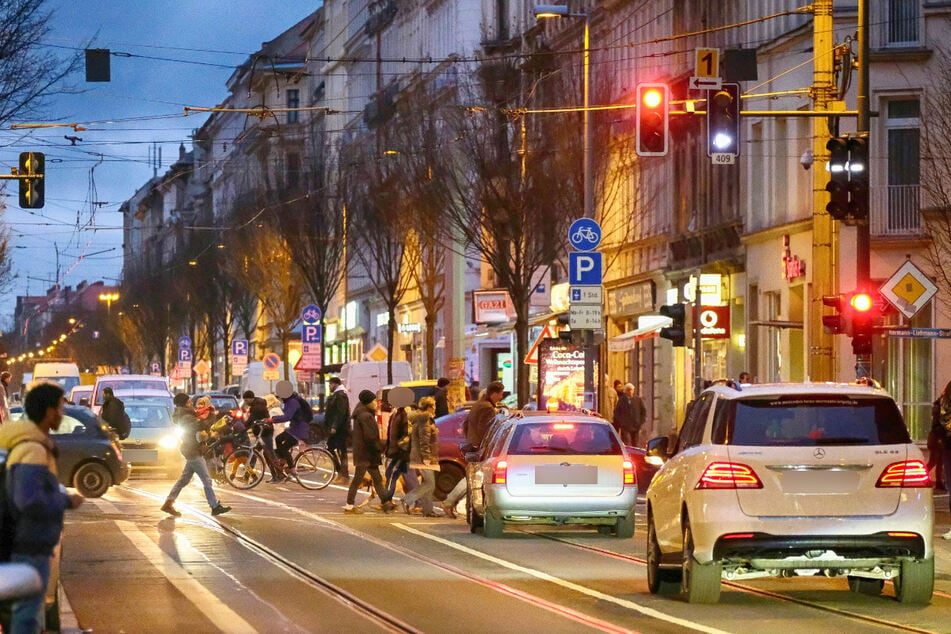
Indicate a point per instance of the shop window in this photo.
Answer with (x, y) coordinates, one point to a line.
(908, 375)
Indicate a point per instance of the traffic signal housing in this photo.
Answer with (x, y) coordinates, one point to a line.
(653, 119)
(838, 185)
(858, 177)
(848, 184)
(723, 120)
(863, 322)
(677, 331)
(835, 324)
(32, 179)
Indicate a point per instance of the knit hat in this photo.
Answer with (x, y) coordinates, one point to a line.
(366, 397)
(181, 399)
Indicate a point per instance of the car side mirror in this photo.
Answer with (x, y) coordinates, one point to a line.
(658, 447)
(473, 456)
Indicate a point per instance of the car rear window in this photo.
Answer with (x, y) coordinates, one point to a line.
(129, 386)
(563, 439)
(808, 421)
(149, 416)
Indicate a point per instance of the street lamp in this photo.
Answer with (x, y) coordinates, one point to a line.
(561, 11)
(108, 298)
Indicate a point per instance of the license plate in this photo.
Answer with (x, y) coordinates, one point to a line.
(820, 482)
(566, 474)
(147, 456)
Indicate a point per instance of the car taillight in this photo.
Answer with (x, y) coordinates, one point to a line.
(629, 472)
(910, 474)
(729, 475)
(498, 474)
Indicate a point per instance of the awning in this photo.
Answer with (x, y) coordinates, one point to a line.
(625, 342)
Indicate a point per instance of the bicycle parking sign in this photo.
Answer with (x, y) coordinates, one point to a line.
(584, 234)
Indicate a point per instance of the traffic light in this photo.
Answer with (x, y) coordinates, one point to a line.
(723, 120)
(861, 305)
(32, 177)
(838, 323)
(677, 331)
(653, 130)
(838, 185)
(858, 177)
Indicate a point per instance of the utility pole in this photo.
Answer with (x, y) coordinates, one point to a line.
(863, 267)
(821, 361)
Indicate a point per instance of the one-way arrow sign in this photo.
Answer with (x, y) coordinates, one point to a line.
(705, 83)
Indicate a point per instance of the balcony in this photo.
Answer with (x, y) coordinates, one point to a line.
(896, 211)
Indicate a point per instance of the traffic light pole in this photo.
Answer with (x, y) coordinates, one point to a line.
(863, 276)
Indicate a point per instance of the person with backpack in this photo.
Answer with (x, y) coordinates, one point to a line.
(32, 501)
(298, 413)
(113, 412)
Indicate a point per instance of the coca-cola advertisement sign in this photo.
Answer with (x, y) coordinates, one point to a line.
(561, 375)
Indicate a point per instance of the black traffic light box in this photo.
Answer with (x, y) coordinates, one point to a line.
(838, 185)
(858, 177)
(653, 124)
(838, 323)
(32, 179)
(723, 120)
(677, 331)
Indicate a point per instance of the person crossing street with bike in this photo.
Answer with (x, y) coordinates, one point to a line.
(297, 430)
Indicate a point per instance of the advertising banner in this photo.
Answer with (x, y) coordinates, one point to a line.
(561, 375)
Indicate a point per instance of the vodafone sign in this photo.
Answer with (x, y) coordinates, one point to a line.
(714, 322)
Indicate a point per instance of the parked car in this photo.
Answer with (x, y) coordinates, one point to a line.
(791, 479)
(551, 469)
(452, 462)
(222, 401)
(153, 443)
(127, 384)
(66, 375)
(90, 458)
(80, 392)
(645, 467)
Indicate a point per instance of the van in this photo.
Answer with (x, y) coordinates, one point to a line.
(66, 375)
(253, 379)
(357, 376)
(127, 384)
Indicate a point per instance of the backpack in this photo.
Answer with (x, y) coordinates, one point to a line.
(124, 425)
(307, 412)
(7, 518)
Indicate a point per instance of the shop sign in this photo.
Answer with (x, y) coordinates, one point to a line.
(561, 374)
(492, 307)
(631, 300)
(409, 327)
(714, 322)
(793, 267)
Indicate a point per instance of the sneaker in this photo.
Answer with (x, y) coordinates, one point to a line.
(389, 506)
(169, 507)
(352, 510)
(946, 535)
(220, 509)
(342, 480)
(450, 510)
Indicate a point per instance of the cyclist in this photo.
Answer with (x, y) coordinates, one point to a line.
(297, 431)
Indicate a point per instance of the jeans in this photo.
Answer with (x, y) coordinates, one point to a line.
(29, 613)
(194, 466)
(337, 443)
(423, 493)
(396, 468)
(358, 473)
(456, 494)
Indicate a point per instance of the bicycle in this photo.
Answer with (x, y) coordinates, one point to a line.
(245, 467)
(316, 466)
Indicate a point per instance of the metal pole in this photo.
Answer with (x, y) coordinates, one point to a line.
(591, 397)
(697, 338)
(863, 273)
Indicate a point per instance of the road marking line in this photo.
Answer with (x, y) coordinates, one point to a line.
(217, 612)
(661, 616)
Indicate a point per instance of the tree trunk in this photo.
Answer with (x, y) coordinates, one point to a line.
(521, 347)
(285, 339)
(430, 345)
(390, 337)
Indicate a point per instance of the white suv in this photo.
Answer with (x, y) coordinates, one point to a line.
(791, 479)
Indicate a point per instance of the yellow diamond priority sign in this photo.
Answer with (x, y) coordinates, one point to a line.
(908, 290)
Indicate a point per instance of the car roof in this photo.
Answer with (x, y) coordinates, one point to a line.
(555, 417)
(132, 392)
(794, 389)
(130, 377)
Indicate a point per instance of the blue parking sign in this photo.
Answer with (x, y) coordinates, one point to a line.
(584, 268)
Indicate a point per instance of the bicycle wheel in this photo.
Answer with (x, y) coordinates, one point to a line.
(315, 468)
(244, 468)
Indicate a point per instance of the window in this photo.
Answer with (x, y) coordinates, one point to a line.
(903, 157)
(293, 101)
(900, 22)
(692, 432)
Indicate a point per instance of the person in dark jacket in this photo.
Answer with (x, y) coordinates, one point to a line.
(424, 455)
(441, 395)
(940, 436)
(337, 420)
(113, 412)
(397, 452)
(629, 415)
(367, 453)
(184, 416)
(38, 500)
(297, 429)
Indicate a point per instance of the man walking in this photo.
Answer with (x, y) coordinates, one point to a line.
(113, 412)
(35, 497)
(337, 420)
(441, 394)
(629, 415)
(367, 453)
(474, 427)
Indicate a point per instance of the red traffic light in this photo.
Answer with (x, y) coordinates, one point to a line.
(862, 302)
(652, 133)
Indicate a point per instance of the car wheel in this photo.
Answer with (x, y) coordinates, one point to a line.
(492, 524)
(864, 585)
(699, 582)
(659, 581)
(447, 477)
(472, 518)
(92, 480)
(915, 581)
(624, 529)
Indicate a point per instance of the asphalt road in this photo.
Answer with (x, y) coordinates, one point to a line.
(290, 560)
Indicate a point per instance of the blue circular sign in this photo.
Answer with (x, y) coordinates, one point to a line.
(184, 341)
(584, 234)
(310, 315)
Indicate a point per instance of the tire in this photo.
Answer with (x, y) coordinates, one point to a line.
(866, 586)
(700, 583)
(915, 582)
(473, 519)
(446, 478)
(624, 529)
(92, 480)
(244, 468)
(315, 468)
(492, 526)
(659, 580)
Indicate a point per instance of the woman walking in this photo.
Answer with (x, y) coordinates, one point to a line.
(941, 435)
(424, 455)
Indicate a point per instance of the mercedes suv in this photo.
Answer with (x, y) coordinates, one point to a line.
(791, 479)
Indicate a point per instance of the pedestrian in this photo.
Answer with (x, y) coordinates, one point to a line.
(441, 395)
(629, 415)
(367, 454)
(745, 378)
(941, 428)
(398, 442)
(37, 500)
(337, 422)
(246, 400)
(475, 426)
(113, 412)
(4, 397)
(610, 401)
(424, 455)
(191, 449)
(297, 430)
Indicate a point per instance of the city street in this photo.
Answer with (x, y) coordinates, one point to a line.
(290, 560)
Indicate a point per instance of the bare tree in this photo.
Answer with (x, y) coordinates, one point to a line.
(935, 138)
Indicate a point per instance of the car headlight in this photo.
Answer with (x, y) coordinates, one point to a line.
(654, 460)
(170, 441)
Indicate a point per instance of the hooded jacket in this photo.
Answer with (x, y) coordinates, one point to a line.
(424, 450)
(38, 500)
(185, 418)
(367, 446)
